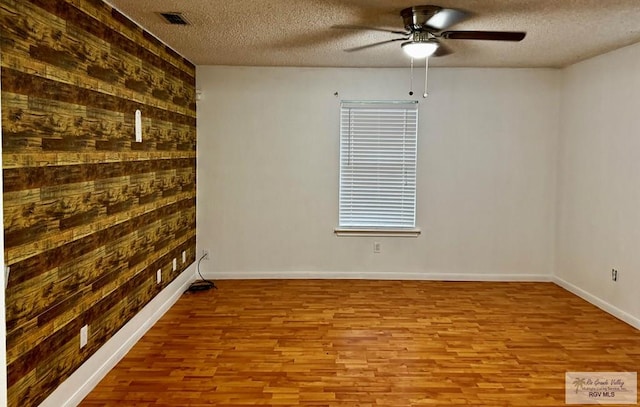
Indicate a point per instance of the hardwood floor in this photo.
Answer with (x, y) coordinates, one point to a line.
(369, 343)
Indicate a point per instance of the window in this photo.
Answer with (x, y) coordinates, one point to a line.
(378, 152)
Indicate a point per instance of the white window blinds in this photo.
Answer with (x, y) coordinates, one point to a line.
(378, 153)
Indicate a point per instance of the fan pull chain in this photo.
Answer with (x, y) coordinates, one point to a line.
(411, 83)
(426, 76)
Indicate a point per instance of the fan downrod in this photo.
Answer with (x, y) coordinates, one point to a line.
(415, 18)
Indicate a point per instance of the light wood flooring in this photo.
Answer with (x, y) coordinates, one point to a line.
(369, 343)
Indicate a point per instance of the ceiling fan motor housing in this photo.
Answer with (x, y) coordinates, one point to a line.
(423, 36)
(415, 18)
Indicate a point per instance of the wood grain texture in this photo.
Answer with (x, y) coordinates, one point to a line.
(90, 215)
(369, 343)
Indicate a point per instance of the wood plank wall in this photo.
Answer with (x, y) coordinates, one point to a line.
(89, 214)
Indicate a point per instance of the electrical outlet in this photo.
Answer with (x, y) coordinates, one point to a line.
(376, 247)
(614, 275)
(205, 254)
(84, 336)
(159, 276)
(175, 264)
(184, 256)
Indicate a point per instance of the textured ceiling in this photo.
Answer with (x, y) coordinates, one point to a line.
(299, 33)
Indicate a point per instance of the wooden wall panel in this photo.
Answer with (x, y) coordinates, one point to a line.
(89, 214)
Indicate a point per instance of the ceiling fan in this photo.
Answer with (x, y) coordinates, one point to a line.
(424, 28)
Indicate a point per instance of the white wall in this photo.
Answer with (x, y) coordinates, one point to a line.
(268, 173)
(599, 185)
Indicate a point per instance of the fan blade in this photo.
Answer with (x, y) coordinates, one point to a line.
(360, 27)
(442, 50)
(484, 35)
(446, 18)
(375, 44)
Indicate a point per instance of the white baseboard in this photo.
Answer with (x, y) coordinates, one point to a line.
(357, 275)
(598, 302)
(73, 390)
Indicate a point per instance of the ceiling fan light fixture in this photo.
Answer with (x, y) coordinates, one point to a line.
(419, 49)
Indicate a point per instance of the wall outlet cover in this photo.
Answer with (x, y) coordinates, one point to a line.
(84, 336)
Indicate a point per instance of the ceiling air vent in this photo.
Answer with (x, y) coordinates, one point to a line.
(174, 18)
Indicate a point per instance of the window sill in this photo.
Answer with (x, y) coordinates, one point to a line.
(413, 232)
